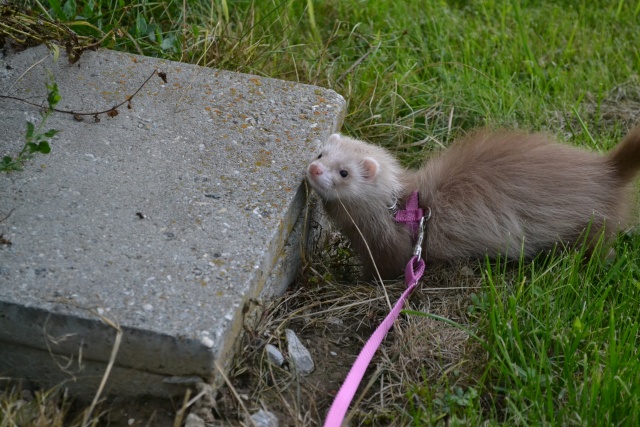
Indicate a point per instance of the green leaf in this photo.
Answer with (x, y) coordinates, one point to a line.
(30, 129)
(168, 43)
(57, 9)
(51, 133)
(69, 9)
(8, 165)
(153, 32)
(88, 9)
(44, 147)
(141, 25)
(33, 147)
(53, 97)
(159, 37)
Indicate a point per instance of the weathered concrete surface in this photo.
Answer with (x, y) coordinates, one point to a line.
(213, 160)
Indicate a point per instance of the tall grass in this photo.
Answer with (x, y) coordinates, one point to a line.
(565, 338)
(561, 339)
(411, 71)
(563, 333)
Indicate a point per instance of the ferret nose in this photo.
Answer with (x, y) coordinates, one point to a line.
(315, 169)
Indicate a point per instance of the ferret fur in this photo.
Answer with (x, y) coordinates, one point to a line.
(492, 193)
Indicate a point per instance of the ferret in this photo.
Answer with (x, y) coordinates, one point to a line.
(492, 193)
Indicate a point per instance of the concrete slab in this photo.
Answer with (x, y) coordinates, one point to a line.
(212, 160)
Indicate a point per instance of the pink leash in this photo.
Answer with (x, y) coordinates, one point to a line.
(413, 272)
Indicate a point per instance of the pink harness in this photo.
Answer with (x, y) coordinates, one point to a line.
(414, 217)
(412, 214)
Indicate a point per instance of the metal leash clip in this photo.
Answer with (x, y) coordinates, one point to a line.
(417, 249)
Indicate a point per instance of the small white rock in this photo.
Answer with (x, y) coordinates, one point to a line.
(274, 355)
(300, 356)
(264, 418)
(194, 421)
(207, 342)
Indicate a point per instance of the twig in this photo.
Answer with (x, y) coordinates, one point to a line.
(95, 113)
(107, 372)
(293, 412)
(234, 392)
(195, 398)
(8, 215)
(57, 340)
(177, 422)
(26, 71)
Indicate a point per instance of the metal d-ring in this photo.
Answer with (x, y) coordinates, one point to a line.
(427, 217)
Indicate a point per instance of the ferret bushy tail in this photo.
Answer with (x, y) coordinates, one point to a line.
(625, 157)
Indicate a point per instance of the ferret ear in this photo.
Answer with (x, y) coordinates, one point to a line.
(370, 168)
(333, 138)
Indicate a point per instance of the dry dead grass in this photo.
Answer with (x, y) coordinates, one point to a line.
(19, 407)
(617, 109)
(334, 315)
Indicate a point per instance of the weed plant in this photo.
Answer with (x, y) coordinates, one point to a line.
(36, 138)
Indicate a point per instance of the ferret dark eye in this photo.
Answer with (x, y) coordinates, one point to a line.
(344, 173)
(319, 155)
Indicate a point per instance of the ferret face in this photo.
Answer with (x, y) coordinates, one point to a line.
(343, 171)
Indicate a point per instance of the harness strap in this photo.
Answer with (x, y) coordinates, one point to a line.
(411, 214)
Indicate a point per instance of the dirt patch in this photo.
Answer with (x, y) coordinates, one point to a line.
(334, 315)
(618, 109)
(621, 106)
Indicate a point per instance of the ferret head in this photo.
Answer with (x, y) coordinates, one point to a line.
(353, 170)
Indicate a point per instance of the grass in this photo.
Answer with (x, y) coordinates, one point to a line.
(565, 340)
(558, 337)
(46, 408)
